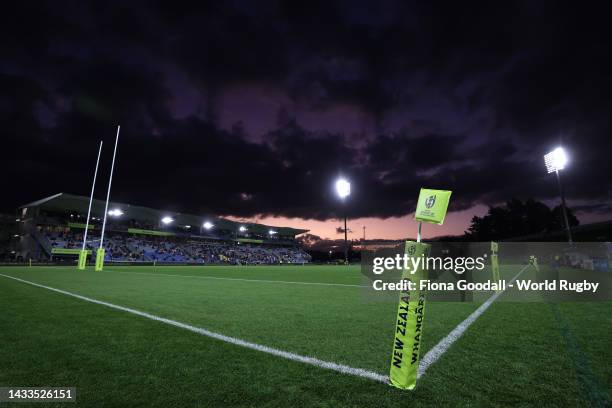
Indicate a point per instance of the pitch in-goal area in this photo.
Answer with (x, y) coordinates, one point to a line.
(280, 336)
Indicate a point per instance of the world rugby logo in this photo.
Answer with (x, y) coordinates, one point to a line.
(430, 201)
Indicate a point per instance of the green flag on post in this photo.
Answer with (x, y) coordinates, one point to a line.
(407, 344)
(432, 205)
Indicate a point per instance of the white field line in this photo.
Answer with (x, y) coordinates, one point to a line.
(430, 357)
(436, 352)
(245, 280)
(341, 368)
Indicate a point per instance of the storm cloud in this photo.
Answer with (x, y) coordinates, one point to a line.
(249, 109)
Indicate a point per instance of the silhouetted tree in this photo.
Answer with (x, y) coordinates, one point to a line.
(308, 240)
(518, 218)
(340, 230)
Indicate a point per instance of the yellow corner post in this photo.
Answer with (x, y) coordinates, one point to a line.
(495, 263)
(409, 323)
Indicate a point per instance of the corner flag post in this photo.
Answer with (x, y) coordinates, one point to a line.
(407, 343)
(100, 253)
(495, 262)
(83, 253)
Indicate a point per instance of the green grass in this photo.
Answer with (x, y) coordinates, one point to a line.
(515, 354)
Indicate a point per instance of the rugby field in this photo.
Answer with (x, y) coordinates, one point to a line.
(282, 336)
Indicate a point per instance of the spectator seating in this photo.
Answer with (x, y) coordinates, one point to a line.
(124, 247)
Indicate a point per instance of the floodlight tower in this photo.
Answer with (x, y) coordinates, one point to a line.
(555, 161)
(343, 189)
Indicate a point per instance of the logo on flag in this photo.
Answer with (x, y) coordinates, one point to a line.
(431, 200)
(432, 205)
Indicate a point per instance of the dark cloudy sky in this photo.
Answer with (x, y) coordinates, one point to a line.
(252, 109)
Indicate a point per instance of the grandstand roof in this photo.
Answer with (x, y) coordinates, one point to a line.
(69, 202)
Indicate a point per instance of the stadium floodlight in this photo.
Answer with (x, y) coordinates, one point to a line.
(115, 212)
(242, 228)
(555, 160)
(167, 220)
(343, 188)
(208, 225)
(272, 232)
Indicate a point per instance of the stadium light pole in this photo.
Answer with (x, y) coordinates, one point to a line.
(555, 161)
(100, 253)
(83, 254)
(343, 189)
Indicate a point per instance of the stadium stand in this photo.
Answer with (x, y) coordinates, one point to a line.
(53, 230)
(178, 250)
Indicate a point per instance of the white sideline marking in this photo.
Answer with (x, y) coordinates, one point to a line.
(341, 368)
(436, 352)
(246, 280)
(430, 357)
